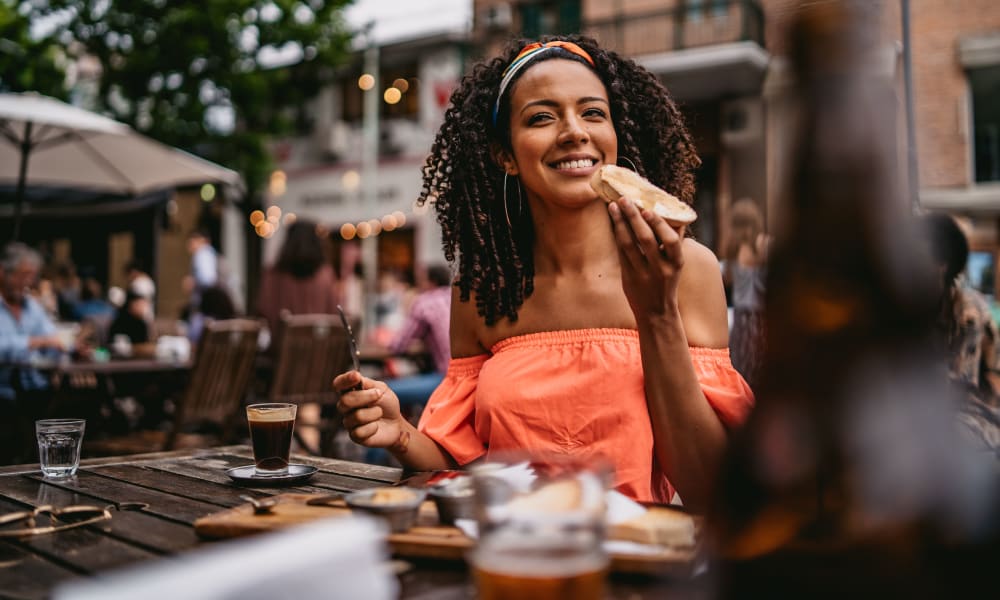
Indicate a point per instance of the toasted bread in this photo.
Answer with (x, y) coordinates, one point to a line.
(612, 182)
(555, 497)
(658, 526)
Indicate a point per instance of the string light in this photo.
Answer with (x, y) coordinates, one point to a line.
(366, 81)
(273, 213)
(364, 229)
(348, 231)
(401, 84)
(256, 217)
(392, 95)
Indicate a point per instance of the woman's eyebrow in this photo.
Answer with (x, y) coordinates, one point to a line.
(553, 103)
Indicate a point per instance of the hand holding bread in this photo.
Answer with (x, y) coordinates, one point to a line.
(612, 182)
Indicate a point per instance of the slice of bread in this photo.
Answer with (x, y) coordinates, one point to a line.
(612, 182)
(658, 526)
(555, 497)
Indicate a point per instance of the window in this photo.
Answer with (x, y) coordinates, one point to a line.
(985, 85)
(550, 17)
(696, 8)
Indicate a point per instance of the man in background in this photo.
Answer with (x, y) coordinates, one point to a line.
(25, 331)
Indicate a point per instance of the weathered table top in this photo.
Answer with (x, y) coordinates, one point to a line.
(179, 487)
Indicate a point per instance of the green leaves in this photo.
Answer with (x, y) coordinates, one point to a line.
(171, 68)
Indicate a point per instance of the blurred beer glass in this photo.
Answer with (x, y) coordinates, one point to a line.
(541, 528)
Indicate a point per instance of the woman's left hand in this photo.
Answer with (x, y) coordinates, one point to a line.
(651, 257)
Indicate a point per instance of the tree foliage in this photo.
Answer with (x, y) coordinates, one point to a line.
(204, 76)
(28, 64)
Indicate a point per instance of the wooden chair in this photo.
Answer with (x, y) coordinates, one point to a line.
(221, 371)
(311, 350)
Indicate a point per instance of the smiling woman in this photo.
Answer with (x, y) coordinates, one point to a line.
(577, 326)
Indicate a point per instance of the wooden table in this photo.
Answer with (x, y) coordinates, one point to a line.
(180, 487)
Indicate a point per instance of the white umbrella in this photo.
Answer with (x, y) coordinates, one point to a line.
(52, 143)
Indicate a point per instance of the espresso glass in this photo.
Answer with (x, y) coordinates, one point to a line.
(271, 428)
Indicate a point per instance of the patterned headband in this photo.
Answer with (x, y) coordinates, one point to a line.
(525, 56)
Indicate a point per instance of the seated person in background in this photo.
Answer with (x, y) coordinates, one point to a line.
(25, 329)
(92, 303)
(427, 322)
(131, 320)
(139, 282)
(301, 280)
(214, 305)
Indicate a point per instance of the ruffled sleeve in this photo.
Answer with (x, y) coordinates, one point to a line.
(726, 390)
(449, 417)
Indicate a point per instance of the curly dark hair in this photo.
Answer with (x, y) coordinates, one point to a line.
(462, 178)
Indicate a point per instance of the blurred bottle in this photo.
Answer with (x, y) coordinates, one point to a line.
(847, 479)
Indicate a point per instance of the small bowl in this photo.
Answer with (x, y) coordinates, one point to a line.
(397, 505)
(455, 499)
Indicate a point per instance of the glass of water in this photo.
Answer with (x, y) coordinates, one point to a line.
(59, 442)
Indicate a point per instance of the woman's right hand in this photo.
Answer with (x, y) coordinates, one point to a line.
(371, 414)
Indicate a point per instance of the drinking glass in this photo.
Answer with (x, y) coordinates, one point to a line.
(271, 427)
(59, 442)
(541, 528)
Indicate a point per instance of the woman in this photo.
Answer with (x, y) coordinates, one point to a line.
(970, 336)
(301, 281)
(569, 333)
(744, 272)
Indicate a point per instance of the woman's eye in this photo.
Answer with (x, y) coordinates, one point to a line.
(537, 118)
(594, 112)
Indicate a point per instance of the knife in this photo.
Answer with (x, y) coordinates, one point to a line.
(353, 346)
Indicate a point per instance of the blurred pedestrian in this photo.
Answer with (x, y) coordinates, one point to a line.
(969, 334)
(301, 281)
(744, 271)
(204, 266)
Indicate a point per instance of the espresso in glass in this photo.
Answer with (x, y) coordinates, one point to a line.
(271, 427)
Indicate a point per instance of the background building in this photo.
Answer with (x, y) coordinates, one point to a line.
(725, 62)
(321, 174)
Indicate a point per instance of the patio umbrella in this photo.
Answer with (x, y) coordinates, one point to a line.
(54, 144)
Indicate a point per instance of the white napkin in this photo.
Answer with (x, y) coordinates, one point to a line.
(342, 558)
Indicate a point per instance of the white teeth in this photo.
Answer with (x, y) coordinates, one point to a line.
(575, 164)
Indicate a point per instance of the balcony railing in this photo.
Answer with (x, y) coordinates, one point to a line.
(687, 26)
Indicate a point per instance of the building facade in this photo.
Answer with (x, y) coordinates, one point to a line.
(321, 174)
(725, 63)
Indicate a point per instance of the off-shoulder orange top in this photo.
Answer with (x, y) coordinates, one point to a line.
(576, 391)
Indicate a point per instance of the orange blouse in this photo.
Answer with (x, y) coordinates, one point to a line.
(577, 391)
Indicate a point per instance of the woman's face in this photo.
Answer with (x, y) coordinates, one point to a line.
(561, 132)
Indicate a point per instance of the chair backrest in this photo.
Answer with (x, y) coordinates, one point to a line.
(312, 350)
(223, 365)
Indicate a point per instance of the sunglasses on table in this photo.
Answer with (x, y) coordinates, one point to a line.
(47, 519)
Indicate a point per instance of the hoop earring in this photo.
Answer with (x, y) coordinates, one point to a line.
(629, 161)
(506, 212)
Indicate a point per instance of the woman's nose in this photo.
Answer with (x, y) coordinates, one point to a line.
(573, 131)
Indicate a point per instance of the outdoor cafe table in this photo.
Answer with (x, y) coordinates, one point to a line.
(181, 486)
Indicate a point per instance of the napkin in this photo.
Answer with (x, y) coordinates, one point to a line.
(343, 558)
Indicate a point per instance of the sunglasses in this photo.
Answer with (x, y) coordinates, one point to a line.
(47, 519)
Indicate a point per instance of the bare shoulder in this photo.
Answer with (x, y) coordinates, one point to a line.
(702, 298)
(464, 328)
